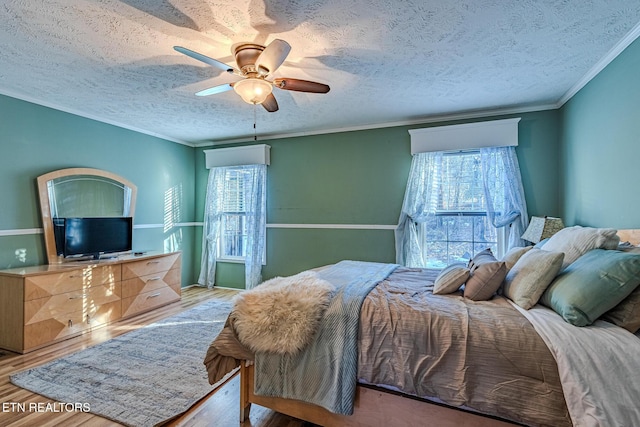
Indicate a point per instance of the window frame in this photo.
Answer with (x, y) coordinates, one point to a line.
(224, 257)
(502, 233)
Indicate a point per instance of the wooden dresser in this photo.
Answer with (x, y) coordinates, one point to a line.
(44, 304)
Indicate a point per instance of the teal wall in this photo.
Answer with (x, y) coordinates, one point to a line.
(36, 140)
(601, 147)
(359, 178)
(354, 177)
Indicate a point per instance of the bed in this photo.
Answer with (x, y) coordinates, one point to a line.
(421, 356)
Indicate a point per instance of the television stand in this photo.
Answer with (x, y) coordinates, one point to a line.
(44, 304)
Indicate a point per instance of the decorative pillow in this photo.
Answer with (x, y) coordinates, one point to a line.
(594, 284)
(486, 274)
(576, 241)
(531, 276)
(450, 279)
(513, 255)
(627, 313)
(541, 243)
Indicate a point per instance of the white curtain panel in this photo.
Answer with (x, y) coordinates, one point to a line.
(504, 193)
(256, 199)
(211, 229)
(420, 202)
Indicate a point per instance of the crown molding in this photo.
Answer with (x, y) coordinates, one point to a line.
(600, 65)
(426, 120)
(57, 107)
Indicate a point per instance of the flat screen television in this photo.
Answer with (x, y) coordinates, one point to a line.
(93, 236)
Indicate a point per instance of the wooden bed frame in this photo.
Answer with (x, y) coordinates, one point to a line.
(373, 407)
(632, 236)
(376, 407)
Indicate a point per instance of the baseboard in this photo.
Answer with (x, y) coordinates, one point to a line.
(195, 285)
(231, 289)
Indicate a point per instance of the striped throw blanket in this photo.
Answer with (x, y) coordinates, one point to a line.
(325, 372)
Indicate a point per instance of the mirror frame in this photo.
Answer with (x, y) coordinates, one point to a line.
(45, 203)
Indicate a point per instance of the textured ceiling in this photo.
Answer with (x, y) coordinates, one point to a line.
(387, 61)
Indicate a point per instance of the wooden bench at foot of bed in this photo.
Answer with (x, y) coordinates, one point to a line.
(373, 407)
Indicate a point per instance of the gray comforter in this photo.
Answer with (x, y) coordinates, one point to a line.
(483, 356)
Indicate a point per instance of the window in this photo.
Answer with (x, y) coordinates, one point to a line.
(464, 193)
(234, 226)
(459, 226)
(233, 242)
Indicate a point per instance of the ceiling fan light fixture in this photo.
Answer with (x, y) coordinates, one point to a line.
(252, 90)
(255, 62)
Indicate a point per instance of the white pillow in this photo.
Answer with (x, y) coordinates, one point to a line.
(450, 279)
(576, 241)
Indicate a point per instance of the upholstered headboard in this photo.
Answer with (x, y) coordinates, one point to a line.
(630, 235)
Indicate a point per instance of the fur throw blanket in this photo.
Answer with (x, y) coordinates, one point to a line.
(282, 314)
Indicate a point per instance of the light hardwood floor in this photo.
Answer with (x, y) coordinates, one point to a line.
(218, 409)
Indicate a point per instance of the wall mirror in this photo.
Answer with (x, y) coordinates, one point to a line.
(81, 192)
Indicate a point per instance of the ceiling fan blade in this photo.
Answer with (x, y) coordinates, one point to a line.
(301, 85)
(270, 104)
(216, 89)
(272, 56)
(207, 60)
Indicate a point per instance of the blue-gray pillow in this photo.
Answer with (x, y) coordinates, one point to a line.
(592, 285)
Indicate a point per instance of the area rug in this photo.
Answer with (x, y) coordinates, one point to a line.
(142, 378)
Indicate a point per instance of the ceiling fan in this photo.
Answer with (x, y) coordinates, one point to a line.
(255, 63)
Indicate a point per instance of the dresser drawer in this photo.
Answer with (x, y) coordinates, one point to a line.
(131, 270)
(58, 327)
(54, 306)
(147, 300)
(40, 286)
(150, 282)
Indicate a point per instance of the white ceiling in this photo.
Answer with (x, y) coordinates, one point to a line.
(387, 61)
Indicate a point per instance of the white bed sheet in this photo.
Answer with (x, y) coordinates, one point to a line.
(599, 368)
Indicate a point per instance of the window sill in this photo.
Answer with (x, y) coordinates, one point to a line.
(231, 260)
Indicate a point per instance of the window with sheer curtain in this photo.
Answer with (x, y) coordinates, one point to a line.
(459, 226)
(458, 203)
(234, 227)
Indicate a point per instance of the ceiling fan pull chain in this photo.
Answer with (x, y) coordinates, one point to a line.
(255, 135)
